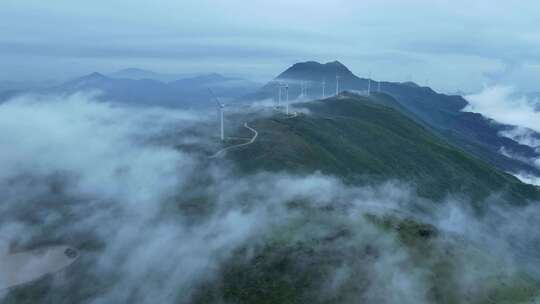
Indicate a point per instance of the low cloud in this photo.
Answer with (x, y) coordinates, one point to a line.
(528, 178)
(523, 136)
(156, 221)
(505, 106)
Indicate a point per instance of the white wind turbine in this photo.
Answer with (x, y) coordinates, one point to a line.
(221, 109)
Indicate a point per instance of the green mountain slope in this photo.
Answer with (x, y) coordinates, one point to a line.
(362, 139)
(365, 140)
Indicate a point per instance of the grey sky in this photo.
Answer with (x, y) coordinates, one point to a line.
(457, 45)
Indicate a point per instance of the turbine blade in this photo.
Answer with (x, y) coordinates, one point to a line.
(219, 103)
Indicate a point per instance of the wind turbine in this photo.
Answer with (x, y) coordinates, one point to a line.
(221, 109)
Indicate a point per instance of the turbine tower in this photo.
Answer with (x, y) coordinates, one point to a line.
(222, 129)
(221, 109)
(286, 87)
(287, 98)
(369, 84)
(324, 88)
(279, 93)
(337, 84)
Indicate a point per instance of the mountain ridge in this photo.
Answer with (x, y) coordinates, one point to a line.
(189, 92)
(138, 73)
(355, 136)
(470, 131)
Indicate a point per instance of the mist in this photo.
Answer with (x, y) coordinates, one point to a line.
(157, 221)
(503, 104)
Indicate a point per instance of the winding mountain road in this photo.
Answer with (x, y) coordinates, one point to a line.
(222, 152)
(293, 115)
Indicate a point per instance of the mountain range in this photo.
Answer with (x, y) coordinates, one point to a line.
(443, 114)
(405, 134)
(138, 74)
(182, 93)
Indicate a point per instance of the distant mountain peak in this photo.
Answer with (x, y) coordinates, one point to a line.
(336, 63)
(312, 64)
(313, 69)
(212, 77)
(92, 78)
(95, 75)
(338, 66)
(411, 84)
(140, 74)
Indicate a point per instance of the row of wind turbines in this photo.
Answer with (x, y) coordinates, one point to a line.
(304, 88)
(284, 86)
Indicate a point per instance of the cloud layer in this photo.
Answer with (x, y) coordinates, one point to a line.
(504, 105)
(156, 221)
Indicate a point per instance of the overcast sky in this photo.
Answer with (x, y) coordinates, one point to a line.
(453, 45)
